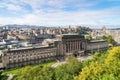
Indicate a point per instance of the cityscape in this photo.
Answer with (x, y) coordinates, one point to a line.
(59, 40)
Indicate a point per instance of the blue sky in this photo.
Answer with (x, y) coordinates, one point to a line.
(60, 12)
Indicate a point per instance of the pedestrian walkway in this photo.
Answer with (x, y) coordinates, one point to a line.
(10, 76)
(58, 64)
(82, 58)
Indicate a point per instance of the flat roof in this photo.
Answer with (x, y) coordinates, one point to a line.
(25, 48)
(72, 36)
(98, 41)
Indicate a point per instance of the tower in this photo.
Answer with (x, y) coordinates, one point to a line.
(5, 33)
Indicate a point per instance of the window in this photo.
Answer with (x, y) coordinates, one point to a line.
(18, 56)
(14, 52)
(31, 57)
(14, 58)
(10, 59)
(18, 60)
(26, 56)
(11, 53)
(35, 54)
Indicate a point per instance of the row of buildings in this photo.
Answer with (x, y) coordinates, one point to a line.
(31, 36)
(98, 33)
(54, 49)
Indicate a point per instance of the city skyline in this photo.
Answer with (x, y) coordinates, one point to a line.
(54, 12)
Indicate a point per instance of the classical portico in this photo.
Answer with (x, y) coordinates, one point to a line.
(73, 44)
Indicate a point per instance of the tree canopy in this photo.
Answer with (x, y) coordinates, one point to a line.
(88, 37)
(2, 76)
(109, 39)
(108, 69)
(64, 72)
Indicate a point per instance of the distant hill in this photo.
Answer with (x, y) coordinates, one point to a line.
(110, 27)
(23, 26)
(115, 29)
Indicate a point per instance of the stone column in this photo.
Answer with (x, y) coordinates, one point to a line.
(70, 45)
(64, 47)
(79, 45)
(75, 45)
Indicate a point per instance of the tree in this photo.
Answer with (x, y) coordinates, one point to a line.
(88, 38)
(104, 37)
(69, 70)
(1, 73)
(108, 69)
(2, 76)
(109, 39)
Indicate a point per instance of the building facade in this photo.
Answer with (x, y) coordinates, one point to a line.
(58, 50)
(28, 56)
(97, 45)
(72, 45)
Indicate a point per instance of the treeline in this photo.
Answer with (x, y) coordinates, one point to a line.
(103, 66)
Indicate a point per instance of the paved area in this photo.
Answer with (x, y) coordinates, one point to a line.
(58, 64)
(10, 76)
(82, 58)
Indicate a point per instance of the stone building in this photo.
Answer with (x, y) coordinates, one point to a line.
(28, 56)
(115, 34)
(59, 49)
(96, 45)
(71, 44)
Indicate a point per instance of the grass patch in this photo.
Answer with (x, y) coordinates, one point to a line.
(12, 71)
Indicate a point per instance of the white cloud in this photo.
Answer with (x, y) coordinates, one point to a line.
(11, 7)
(55, 4)
(14, 7)
(64, 18)
(50, 12)
(1, 6)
